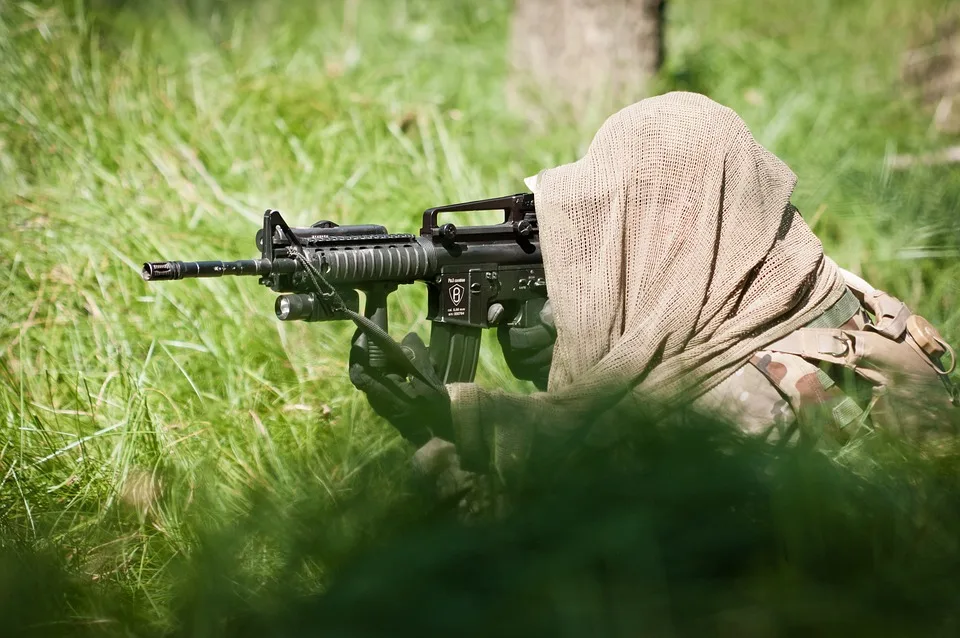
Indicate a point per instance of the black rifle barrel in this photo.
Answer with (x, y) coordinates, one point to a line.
(405, 260)
(172, 270)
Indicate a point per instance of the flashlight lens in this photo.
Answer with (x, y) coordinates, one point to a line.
(283, 308)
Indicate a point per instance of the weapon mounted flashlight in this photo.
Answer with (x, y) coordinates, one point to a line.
(295, 307)
(306, 306)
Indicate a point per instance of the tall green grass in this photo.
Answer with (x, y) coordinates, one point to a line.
(137, 416)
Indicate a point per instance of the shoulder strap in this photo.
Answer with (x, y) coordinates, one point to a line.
(890, 314)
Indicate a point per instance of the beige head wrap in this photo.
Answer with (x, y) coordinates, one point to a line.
(671, 254)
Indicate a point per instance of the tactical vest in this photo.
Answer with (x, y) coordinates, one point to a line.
(869, 361)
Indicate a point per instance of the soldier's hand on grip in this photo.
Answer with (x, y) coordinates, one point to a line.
(529, 351)
(418, 410)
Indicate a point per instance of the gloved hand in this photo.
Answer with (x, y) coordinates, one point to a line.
(472, 496)
(529, 351)
(418, 410)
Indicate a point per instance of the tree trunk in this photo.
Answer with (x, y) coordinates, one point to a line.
(933, 68)
(584, 54)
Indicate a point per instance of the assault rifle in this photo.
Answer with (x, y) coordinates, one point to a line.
(476, 277)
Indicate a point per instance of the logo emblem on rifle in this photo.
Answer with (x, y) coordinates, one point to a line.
(456, 294)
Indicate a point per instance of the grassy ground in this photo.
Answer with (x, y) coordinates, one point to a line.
(135, 416)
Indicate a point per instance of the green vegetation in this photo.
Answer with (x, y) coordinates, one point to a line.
(139, 419)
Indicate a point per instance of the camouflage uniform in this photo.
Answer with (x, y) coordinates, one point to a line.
(786, 395)
(783, 393)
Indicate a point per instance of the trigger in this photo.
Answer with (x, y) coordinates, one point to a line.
(495, 313)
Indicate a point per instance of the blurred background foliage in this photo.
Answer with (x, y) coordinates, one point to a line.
(173, 460)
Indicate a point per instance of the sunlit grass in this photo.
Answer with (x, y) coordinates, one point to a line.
(132, 411)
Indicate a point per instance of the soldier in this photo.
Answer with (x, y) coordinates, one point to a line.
(679, 273)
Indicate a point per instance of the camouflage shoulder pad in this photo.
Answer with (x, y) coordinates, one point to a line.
(815, 398)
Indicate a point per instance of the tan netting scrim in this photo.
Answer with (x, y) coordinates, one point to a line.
(671, 254)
